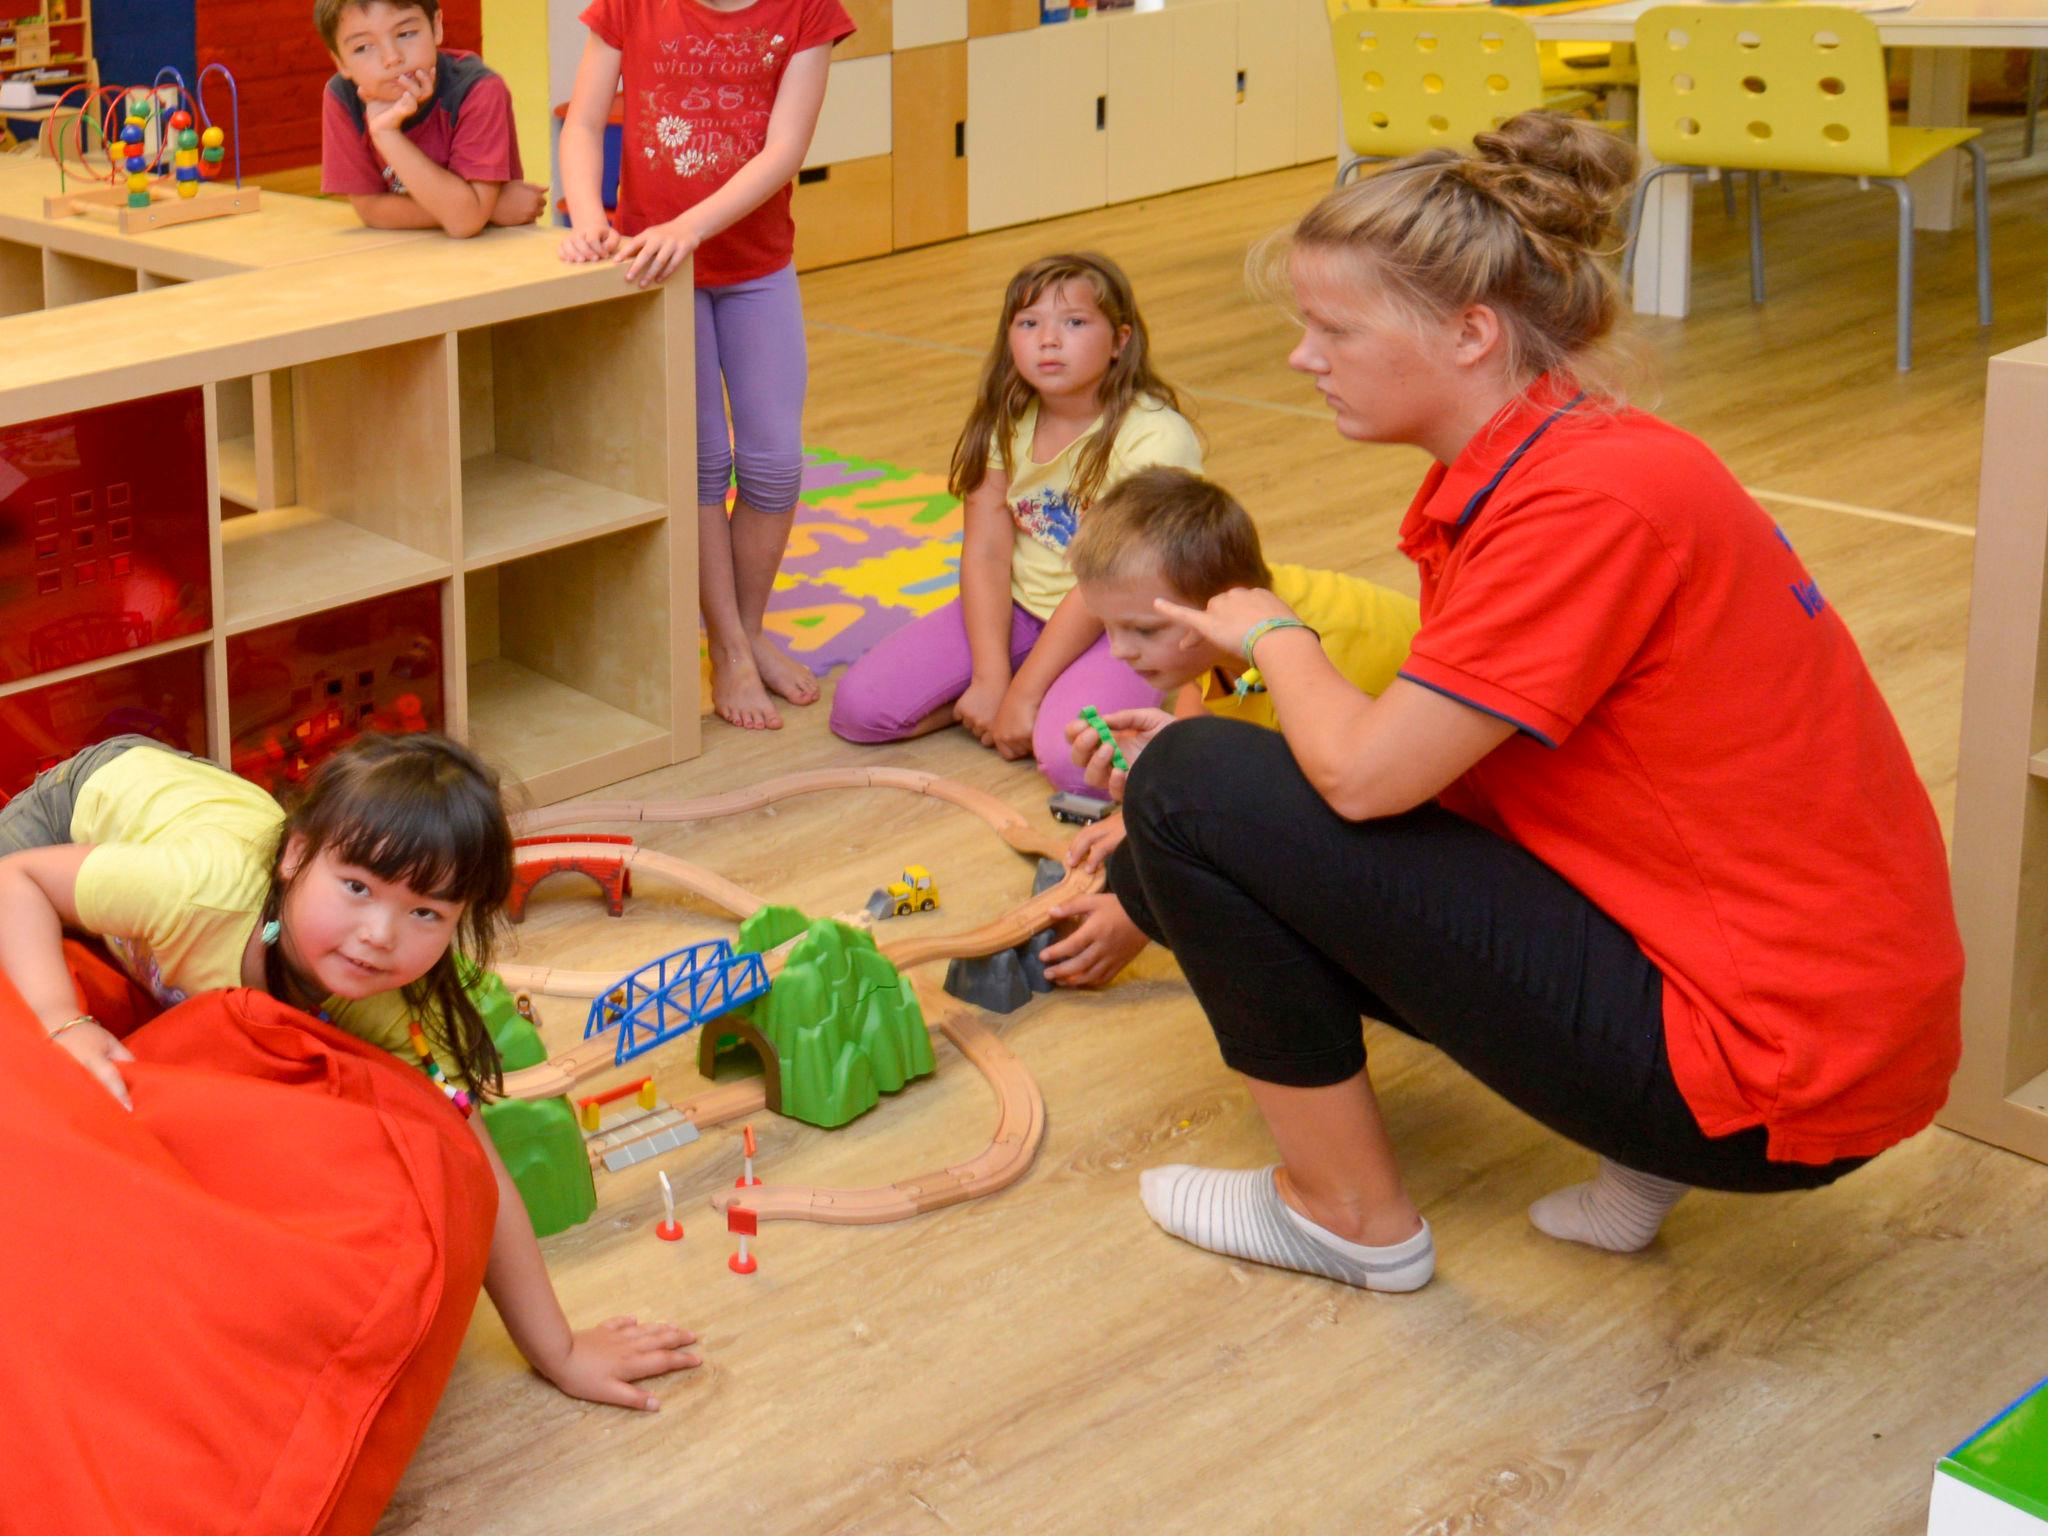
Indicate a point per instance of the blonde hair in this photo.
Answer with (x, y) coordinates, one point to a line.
(1003, 396)
(1190, 529)
(1526, 225)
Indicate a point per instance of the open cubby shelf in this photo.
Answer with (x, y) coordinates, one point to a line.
(507, 463)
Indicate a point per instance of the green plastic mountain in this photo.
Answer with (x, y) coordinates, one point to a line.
(845, 1026)
(538, 1138)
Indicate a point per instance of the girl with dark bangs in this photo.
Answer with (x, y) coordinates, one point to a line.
(369, 904)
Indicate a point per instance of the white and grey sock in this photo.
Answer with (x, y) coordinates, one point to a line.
(1619, 1210)
(1239, 1212)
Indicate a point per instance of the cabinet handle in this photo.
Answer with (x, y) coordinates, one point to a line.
(1101, 113)
(960, 141)
(1240, 85)
(813, 176)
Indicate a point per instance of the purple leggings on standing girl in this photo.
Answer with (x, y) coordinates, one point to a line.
(752, 334)
(926, 664)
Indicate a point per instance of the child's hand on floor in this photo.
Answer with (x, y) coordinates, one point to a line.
(1094, 844)
(1102, 944)
(603, 1362)
(1133, 728)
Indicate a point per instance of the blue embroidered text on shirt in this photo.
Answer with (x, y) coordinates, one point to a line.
(1809, 598)
(1049, 517)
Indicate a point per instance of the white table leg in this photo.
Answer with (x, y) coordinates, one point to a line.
(1939, 97)
(1664, 246)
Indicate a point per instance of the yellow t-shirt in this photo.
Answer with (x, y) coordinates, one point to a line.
(175, 882)
(1366, 630)
(1041, 500)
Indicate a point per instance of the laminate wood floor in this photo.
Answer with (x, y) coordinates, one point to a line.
(1045, 1360)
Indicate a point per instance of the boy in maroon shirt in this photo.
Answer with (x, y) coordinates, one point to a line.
(414, 136)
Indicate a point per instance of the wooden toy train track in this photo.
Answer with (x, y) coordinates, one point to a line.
(1020, 1123)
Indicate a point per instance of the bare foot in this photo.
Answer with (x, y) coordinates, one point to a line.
(739, 698)
(784, 674)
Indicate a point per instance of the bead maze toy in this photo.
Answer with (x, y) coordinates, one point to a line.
(152, 185)
(1020, 1124)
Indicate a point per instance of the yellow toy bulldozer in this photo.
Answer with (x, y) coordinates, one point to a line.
(915, 892)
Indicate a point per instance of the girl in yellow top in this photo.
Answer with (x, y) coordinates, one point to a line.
(1165, 533)
(1068, 406)
(349, 907)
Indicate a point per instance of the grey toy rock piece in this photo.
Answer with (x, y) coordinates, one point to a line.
(996, 982)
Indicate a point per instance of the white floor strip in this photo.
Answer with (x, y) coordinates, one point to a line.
(1906, 519)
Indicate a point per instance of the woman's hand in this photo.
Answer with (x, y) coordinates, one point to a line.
(1104, 942)
(97, 1051)
(653, 255)
(1015, 718)
(1227, 618)
(603, 1362)
(1132, 728)
(589, 240)
(1093, 845)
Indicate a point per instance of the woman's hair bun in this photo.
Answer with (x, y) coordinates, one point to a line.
(1562, 176)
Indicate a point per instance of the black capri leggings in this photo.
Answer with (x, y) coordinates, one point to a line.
(1291, 922)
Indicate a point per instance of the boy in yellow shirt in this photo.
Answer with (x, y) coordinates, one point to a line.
(1166, 533)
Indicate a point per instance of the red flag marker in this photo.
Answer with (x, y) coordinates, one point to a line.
(744, 1222)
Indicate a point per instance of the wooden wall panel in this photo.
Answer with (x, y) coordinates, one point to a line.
(281, 67)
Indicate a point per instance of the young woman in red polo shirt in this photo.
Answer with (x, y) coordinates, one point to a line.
(1633, 838)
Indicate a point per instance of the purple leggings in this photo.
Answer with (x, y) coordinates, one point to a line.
(926, 664)
(753, 334)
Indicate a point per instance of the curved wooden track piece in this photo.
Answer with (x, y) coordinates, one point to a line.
(1020, 1122)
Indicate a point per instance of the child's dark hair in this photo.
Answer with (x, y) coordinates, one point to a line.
(422, 811)
(1190, 530)
(327, 13)
(1001, 400)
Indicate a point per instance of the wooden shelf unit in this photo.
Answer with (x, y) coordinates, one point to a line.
(51, 46)
(1999, 855)
(474, 419)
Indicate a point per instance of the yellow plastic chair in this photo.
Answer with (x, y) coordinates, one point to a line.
(1798, 88)
(1410, 80)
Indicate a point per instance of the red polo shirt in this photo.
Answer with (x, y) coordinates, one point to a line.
(1704, 755)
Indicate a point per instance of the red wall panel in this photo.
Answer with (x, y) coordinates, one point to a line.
(281, 68)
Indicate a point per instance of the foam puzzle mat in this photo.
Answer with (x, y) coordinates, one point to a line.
(874, 547)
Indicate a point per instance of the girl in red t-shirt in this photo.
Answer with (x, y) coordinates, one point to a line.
(720, 103)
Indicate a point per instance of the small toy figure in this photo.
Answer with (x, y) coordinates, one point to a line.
(915, 892)
(1092, 718)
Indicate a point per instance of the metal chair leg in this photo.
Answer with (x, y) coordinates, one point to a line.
(1978, 178)
(1635, 215)
(1905, 196)
(1756, 237)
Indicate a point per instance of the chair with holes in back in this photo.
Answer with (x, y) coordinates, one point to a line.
(1797, 88)
(1410, 80)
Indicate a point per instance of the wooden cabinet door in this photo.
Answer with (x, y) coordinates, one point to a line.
(1315, 84)
(1204, 108)
(1266, 63)
(922, 23)
(853, 122)
(1066, 111)
(872, 31)
(1006, 110)
(1140, 146)
(930, 144)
